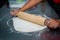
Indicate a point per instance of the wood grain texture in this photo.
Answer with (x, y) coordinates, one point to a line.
(32, 18)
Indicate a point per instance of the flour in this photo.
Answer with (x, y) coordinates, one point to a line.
(25, 26)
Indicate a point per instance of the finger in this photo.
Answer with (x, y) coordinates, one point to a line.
(51, 24)
(11, 13)
(54, 25)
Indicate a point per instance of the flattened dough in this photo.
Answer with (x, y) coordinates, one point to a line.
(25, 26)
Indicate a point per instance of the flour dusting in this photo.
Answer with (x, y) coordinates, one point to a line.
(25, 26)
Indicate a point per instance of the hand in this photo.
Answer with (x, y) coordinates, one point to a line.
(52, 23)
(14, 12)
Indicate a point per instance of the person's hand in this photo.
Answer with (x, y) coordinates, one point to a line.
(14, 12)
(52, 23)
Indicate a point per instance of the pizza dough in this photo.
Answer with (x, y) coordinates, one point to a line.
(25, 26)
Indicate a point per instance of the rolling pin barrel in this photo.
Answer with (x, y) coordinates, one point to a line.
(32, 18)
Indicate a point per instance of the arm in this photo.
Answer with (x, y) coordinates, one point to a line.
(30, 4)
(52, 23)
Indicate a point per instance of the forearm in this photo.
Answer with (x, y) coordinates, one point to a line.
(29, 4)
(32, 18)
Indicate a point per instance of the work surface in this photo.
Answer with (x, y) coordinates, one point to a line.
(7, 34)
(44, 35)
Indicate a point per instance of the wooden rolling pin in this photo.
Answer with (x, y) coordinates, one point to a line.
(32, 18)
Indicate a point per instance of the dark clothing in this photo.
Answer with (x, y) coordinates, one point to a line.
(3, 2)
(55, 6)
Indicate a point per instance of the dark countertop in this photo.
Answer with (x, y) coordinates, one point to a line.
(51, 34)
(44, 35)
(7, 34)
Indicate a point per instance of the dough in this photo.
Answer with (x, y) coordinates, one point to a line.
(25, 26)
